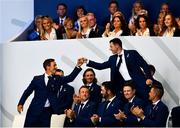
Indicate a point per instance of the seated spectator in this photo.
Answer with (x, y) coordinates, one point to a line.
(49, 32)
(96, 30)
(61, 11)
(70, 32)
(119, 28)
(64, 94)
(158, 27)
(137, 7)
(112, 8)
(90, 80)
(107, 109)
(170, 28)
(164, 8)
(178, 22)
(79, 12)
(35, 33)
(155, 114)
(80, 116)
(85, 29)
(126, 116)
(143, 26)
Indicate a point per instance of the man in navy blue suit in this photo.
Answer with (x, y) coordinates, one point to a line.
(80, 116)
(125, 116)
(45, 87)
(64, 95)
(107, 109)
(155, 114)
(90, 80)
(125, 65)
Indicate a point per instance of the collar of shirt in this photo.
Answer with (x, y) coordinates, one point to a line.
(62, 19)
(86, 33)
(145, 33)
(85, 102)
(52, 35)
(94, 28)
(131, 100)
(112, 99)
(155, 103)
(113, 34)
(89, 84)
(121, 53)
(46, 78)
(111, 17)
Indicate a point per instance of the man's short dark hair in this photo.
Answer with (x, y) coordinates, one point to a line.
(47, 62)
(129, 84)
(83, 86)
(116, 41)
(114, 2)
(61, 4)
(159, 90)
(109, 86)
(89, 69)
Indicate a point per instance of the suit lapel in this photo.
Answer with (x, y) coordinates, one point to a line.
(42, 78)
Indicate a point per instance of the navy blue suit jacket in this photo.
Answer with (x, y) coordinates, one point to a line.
(64, 97)
(134, 62)
(107, 114)
(95, 93)
(156, 117)
(131, 120)
(83, 119)
(97, 32)
(33, 35)
(41, 93)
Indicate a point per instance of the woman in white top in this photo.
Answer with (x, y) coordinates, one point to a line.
(85, 29)
(49, 33)
(170, 26)
(137, 7)
(119, 28)
(142, 25)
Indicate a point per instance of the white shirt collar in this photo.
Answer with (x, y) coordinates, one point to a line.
(62, 18)
(94, 27)
(155, 103)
(130, 101)
(85, 102)
(89, 84)
(46, 75)
(112, 99)
(122, 52)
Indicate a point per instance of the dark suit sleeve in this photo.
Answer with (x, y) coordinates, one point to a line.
(27, 92)
(66, 79)
(99, 66)
(143, 64)
(159, 120)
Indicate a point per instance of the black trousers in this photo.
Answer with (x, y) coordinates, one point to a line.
(41, 120)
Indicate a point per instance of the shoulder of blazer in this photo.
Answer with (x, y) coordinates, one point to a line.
(68, 86)
(39, 77)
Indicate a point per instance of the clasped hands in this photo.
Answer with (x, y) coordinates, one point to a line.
(81, 61)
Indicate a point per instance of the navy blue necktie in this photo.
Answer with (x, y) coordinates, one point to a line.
(120, 61)
(80, 108)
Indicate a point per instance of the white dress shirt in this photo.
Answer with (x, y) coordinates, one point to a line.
(52, 35)
(123, 67)
(47, 104)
